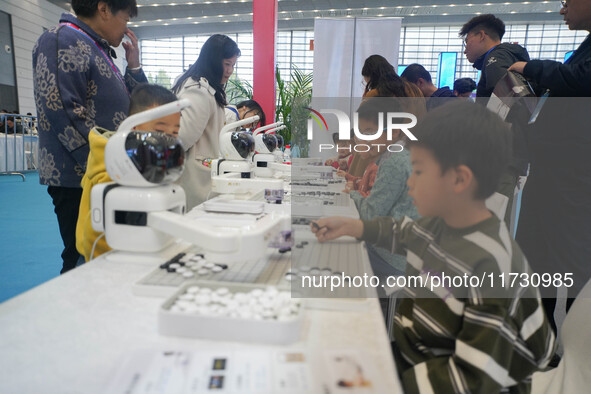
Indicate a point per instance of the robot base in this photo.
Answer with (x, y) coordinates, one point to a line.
(262, 163)
(126, 211)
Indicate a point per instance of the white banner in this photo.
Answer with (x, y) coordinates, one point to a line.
(340, 49)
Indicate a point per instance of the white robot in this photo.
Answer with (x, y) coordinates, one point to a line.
(266, 143)
(233, 172)
(142, 211)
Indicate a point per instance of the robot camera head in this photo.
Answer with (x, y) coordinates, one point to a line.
(157, 156)
(238, 145)
(145, 159)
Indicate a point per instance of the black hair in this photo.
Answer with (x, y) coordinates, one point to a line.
(382, 77)
(414, 71)
(87, 8)
(464, 85)
(371, 107)
(148, 95)
(466, 133)
(254, 106)
(492, 26)
(209, 65)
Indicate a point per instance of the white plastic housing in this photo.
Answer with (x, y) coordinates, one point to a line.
(142, 239)
(119, 166)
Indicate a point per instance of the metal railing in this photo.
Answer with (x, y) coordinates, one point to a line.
(18, 144)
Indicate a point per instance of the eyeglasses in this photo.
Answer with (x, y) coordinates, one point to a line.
(472, 34)
(563, 3)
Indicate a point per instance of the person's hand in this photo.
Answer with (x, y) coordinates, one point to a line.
(327, 229)
(132, 50)
(341, 173)
(329, 162)
(518, 67)
(349, 186)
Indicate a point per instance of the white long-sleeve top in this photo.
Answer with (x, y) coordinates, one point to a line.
(201, 124)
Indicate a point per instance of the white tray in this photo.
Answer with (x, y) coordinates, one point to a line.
(225, 328)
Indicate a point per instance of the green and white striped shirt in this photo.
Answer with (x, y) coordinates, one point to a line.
(470, 337)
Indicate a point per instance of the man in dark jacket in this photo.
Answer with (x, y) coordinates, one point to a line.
(555, 222)
(482, 37)
(417, 74)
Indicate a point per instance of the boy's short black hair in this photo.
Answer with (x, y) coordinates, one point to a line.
(492, 26)
(464, 85)
(87, 8)
(146, 95)
(414, 71)
(466, 133)
(254, 106)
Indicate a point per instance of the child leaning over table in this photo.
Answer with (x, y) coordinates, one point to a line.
(382, 190)
(458, 338)
(143, 97)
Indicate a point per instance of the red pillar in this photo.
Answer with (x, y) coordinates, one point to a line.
(264, 28)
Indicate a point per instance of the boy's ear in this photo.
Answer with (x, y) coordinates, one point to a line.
(464, 178)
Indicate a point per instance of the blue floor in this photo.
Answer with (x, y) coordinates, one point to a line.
(30, 243)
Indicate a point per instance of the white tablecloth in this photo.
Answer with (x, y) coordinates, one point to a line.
(18, 152)
(71, 334)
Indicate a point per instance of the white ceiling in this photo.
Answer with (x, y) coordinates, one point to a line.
(160, 18)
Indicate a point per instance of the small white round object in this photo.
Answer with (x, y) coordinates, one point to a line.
(290, 277)
(217, 269)
(222, 291)
(209, 265)
(256, 293)
(188, 274)
(271, 291)
(193, 289)
(241, 297)
(181, 270)
(205, 290)
(202, 271)
(202, 299)
(175, 265)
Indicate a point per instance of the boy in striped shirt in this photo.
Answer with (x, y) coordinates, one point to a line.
(472, 332)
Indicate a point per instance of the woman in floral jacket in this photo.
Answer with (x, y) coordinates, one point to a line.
(77, 87)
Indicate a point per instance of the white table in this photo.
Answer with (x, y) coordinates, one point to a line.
(18, 152)
(70, 334)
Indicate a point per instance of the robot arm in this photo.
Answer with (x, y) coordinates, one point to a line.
(267, 127)
(222, 242)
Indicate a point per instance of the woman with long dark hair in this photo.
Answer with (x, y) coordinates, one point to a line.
(203, 84)
(381, 79)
